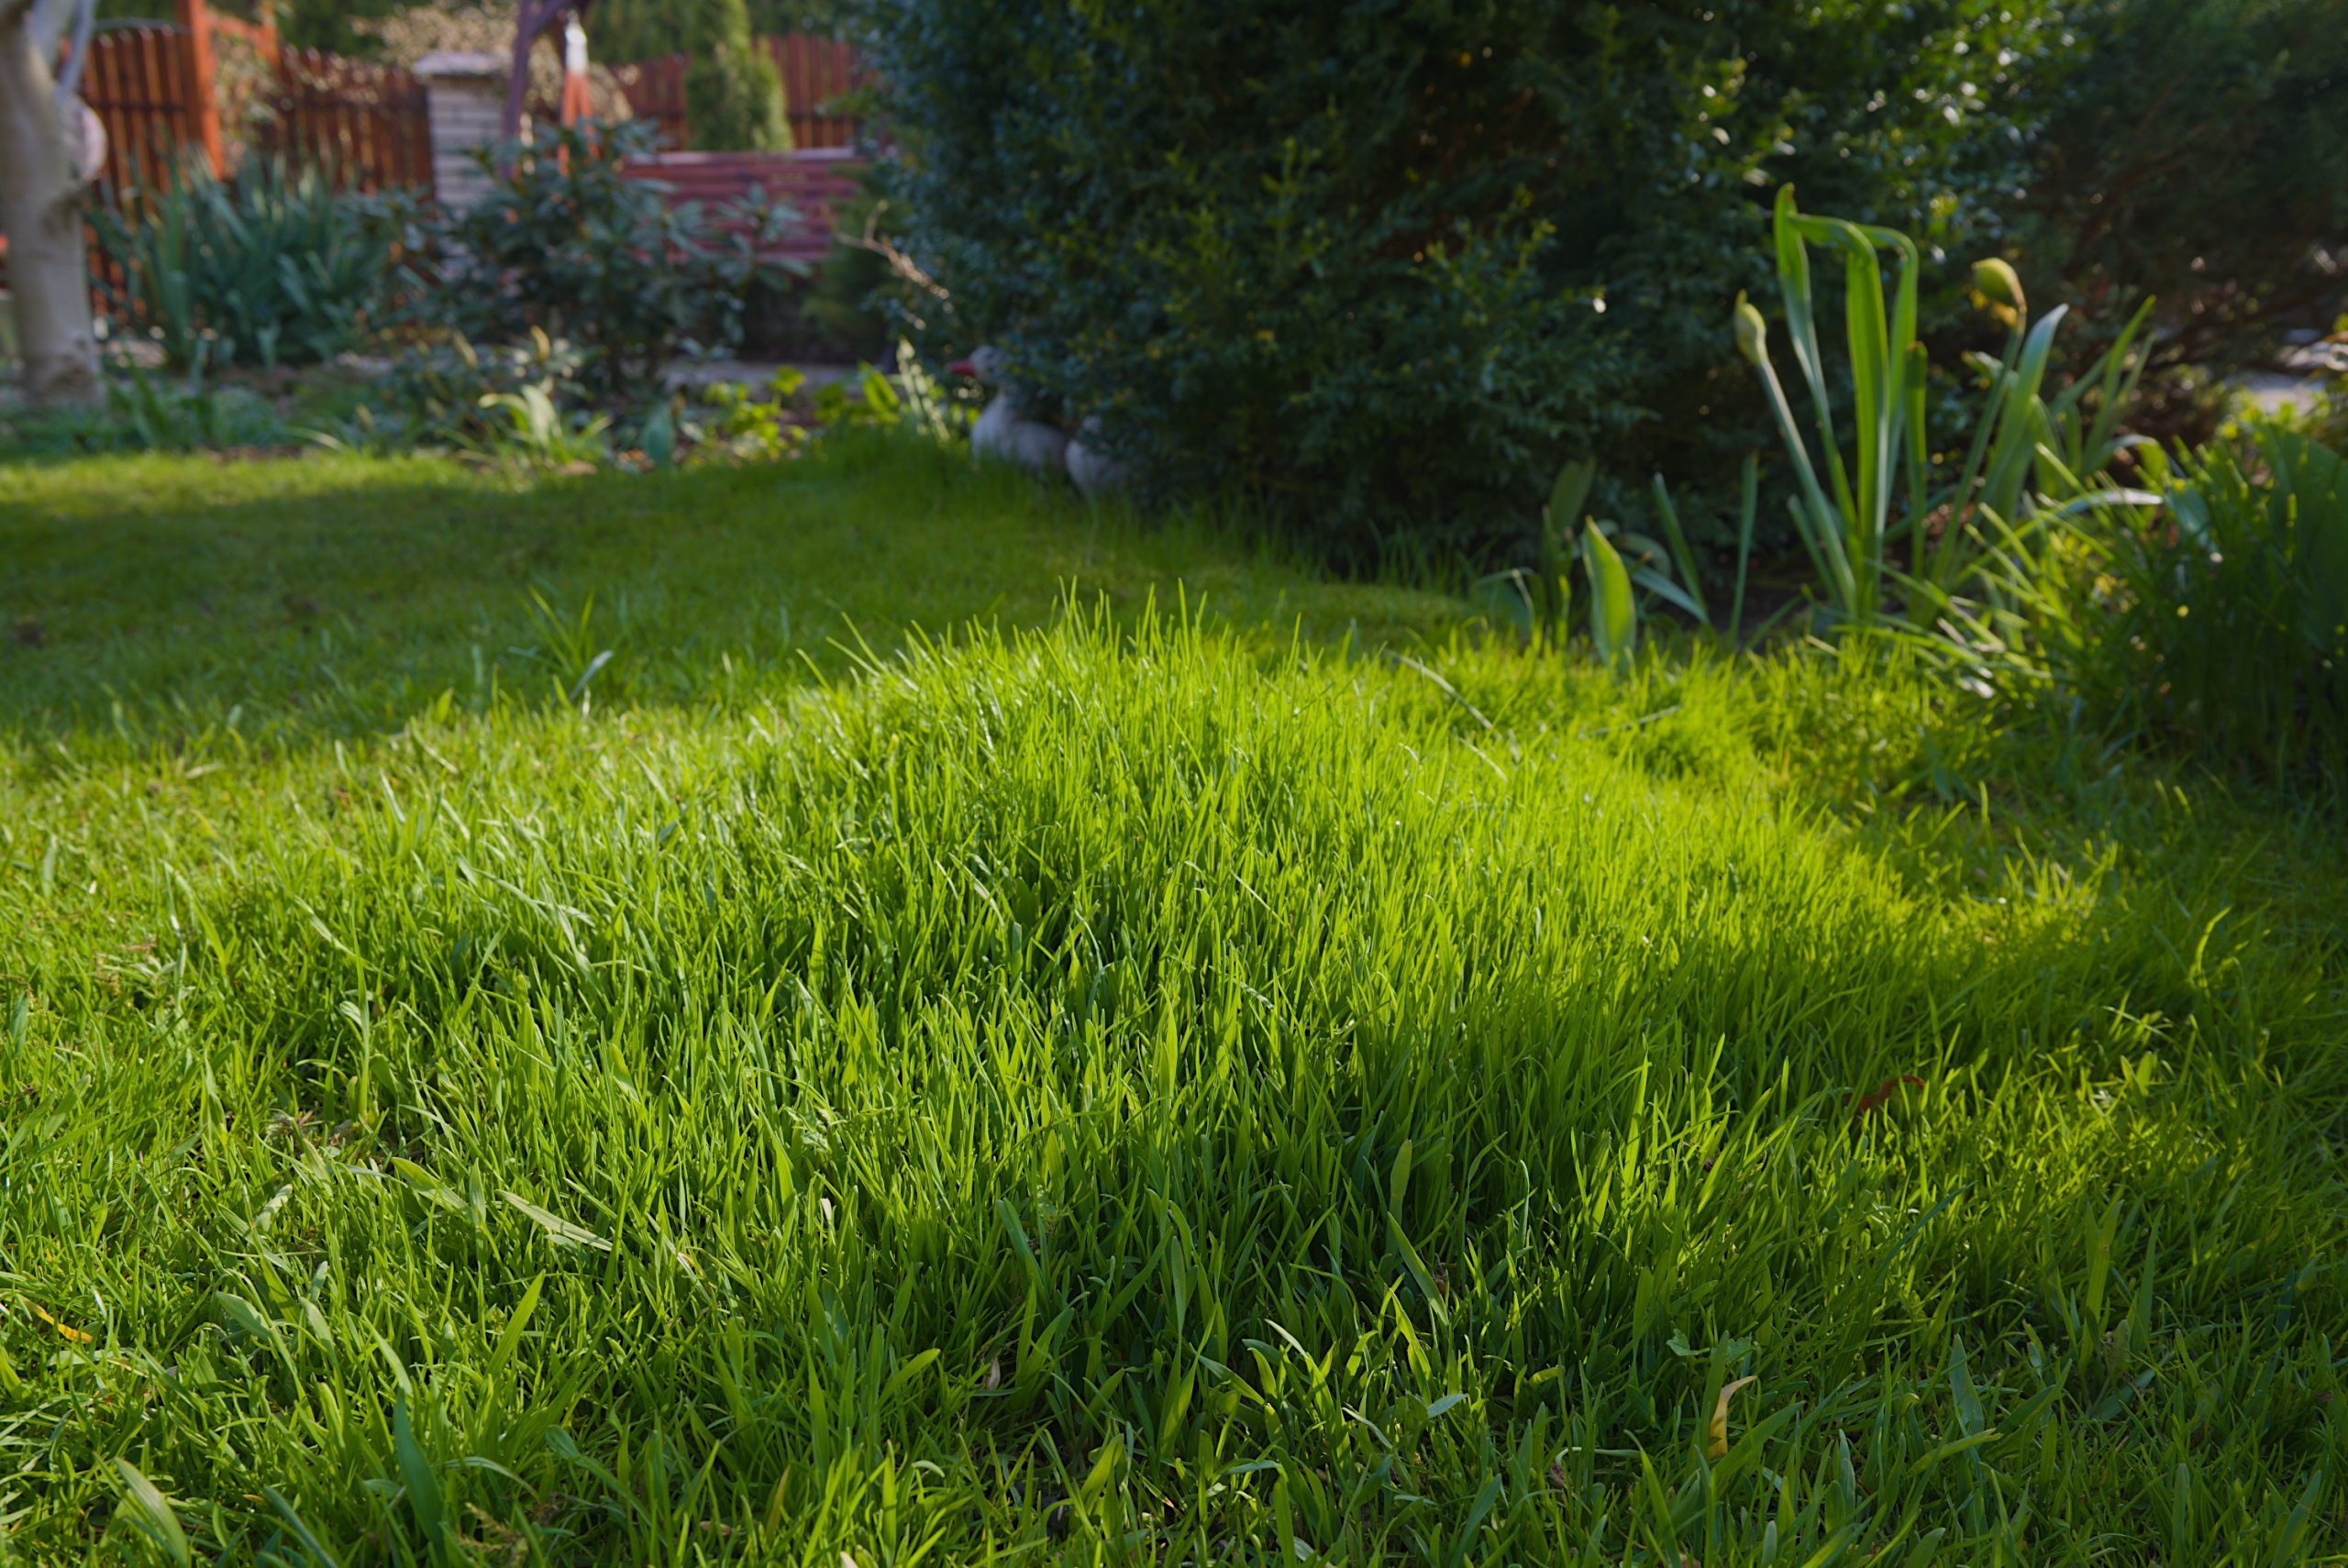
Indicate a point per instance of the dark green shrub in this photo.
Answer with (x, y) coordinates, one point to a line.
(733, 91)
(566, 244)
(2199, 154)
(624, 30)
(857, 298)
(337, 26)
(818, 17)
(268, 267)
(1379, 265)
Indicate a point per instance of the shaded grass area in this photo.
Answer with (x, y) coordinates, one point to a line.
(1130, 1090)
(152, 598)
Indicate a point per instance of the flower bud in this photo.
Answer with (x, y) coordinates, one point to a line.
(1996, 286)
(1752, 332)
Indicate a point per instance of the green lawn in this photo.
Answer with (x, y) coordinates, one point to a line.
(334, 598)
(881, 1070)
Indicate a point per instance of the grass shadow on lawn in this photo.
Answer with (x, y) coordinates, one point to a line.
(1063, 1048)
(1034, 1060)
(154, 600)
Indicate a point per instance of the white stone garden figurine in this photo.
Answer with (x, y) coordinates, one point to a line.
(1096, 473)
(1004, 431)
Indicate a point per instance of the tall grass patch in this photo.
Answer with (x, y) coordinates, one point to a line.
(1164, 1094)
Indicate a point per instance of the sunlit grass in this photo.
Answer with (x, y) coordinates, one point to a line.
(1127, 1089)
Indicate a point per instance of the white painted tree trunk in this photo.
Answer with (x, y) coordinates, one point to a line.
(40, 213)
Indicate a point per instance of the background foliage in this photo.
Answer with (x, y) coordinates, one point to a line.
(1377, 265)
(566, 244)
(856, 301)
(733, 90)
(1358, 273)
(2198, 155)
(2216, 625)
(643, 29)
(271, 266)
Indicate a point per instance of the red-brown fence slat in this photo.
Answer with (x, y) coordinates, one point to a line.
(133, 83)
(655, 90)
(171, 137)
(167, 67)
(363, 125)
(130, 63)
(140, 111)
(815, 72)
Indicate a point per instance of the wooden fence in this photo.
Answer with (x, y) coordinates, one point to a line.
(137, 80)
(159, 92)
(162, 93)
(817, 71)
(656, 92)
(363, 125)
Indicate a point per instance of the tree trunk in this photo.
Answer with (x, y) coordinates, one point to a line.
(40, 213)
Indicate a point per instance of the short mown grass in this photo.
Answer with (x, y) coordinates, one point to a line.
(941, 1049)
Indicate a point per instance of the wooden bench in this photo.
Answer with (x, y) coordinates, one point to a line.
(817, 182)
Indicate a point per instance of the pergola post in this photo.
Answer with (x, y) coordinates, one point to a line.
(537, 16)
